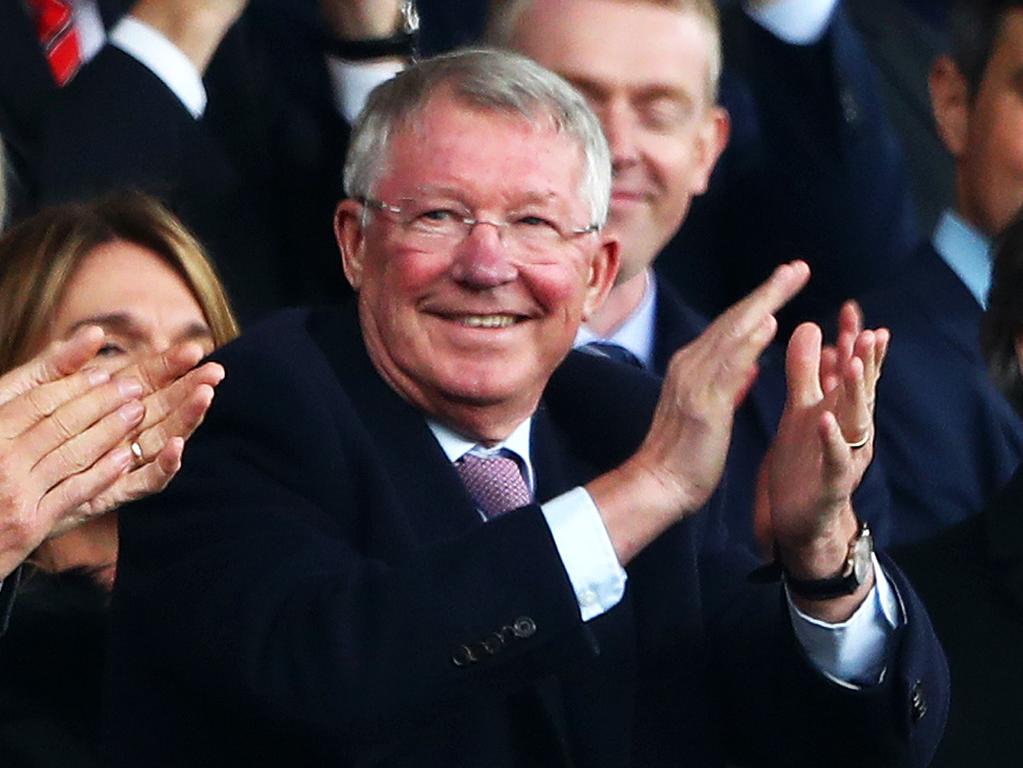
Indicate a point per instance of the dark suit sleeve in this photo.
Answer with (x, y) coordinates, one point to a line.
(812, 720)
(813, 170)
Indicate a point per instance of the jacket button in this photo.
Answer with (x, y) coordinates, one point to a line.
(917, 701)
(492, 643)
(524, 627)
(463, 656)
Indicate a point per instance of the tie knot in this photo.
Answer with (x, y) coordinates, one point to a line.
(612, 351)
(494, 482)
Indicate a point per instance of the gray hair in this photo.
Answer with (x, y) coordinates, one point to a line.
(503, 23)
(485, 79)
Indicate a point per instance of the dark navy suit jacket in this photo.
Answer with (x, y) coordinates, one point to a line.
(302, 590)
(949, 439)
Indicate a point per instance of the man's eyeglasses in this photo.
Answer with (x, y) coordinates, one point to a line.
(431, 224)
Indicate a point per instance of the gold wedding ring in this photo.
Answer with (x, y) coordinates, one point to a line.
(859, 443)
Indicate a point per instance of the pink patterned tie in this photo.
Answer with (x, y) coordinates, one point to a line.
(494, 482)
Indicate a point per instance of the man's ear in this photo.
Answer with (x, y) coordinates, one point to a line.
(603, 271)
(348, 233)
(711, 142)
(950, 102)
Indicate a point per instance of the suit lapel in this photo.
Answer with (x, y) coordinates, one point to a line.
(424, 481)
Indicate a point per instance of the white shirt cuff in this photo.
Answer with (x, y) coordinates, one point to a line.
(352, 82)
(852, 653)
(586, 551)
(797, 22)
(151, 49)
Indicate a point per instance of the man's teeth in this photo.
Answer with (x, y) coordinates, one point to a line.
(487, 321)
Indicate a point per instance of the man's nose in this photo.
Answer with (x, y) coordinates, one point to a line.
(482, 259)
(620, 130)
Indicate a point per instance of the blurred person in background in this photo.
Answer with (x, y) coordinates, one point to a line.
(125, 266)
(971, 575)
(948, 437)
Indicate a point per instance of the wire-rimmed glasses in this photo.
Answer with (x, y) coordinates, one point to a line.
(432, 224)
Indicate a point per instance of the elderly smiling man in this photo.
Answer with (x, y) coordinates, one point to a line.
(422, 535)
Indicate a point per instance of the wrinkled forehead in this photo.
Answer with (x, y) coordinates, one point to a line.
(450, 143)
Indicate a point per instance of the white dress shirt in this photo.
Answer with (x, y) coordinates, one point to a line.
(851, 653)
(148, 46)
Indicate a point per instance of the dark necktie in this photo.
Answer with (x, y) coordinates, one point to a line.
(612, 351)
(494, 482)
(55, 25)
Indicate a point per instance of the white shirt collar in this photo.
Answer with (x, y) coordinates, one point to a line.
(636, 333)
(967, 252)
(455, 446)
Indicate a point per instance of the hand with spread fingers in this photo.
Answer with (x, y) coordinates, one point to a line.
(680, 462)
(65, 429)
(176, 397)
(62, 440)
(129, 305)
(820, 452)
(870, 347)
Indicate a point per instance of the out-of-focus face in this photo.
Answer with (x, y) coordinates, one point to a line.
(137, 298)
(144, 307)
(470, 331)
(644, 69)
(988, 146)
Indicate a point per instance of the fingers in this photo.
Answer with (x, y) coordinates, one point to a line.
(802, 366)
(737, 338)
(853, 408)
(850, 324)
(143, 481)
(770, 296)
(65, 504)
(158, 370)
(58, 360)
(29, 408)
(181, 419)
(69, 421)
(871, 347)
(835, 457)
(830, 373)
(79, 452)
(165, 402)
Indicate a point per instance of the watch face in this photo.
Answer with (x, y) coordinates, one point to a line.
(862, 560)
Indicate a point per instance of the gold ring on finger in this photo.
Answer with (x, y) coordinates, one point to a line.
(857, 444)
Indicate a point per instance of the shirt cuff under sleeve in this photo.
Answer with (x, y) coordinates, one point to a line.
(164, 59)
(352, 82)
(797, 22)
(586, 551)
(852, 653)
